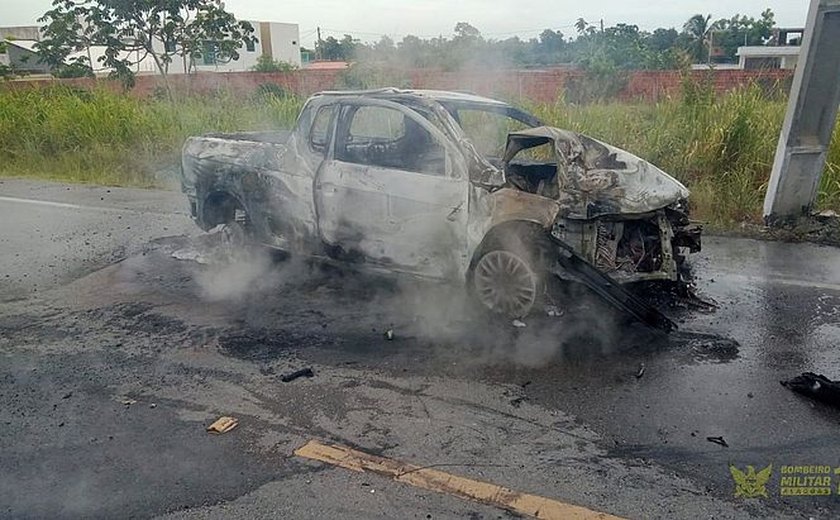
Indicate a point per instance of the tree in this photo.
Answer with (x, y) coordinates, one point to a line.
(697, 29)
(332, 49)
(466, 32)
(132, 30)
(729, 34)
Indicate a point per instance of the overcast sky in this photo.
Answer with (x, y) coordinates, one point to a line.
(368, 19)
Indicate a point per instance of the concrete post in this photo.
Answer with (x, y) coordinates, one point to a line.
(811, 113)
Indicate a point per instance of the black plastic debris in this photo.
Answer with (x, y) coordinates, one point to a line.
(718, 440)
(815, 386)
(304, 372)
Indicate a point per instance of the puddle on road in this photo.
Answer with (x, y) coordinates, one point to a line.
(705, 348)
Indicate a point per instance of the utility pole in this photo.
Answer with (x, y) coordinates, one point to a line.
(602, 25)
(711, 46)
(811, 114)
(318, 46)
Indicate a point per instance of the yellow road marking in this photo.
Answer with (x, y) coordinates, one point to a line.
(434, 480)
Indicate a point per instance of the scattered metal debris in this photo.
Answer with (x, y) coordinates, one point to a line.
(641, 371)
(518, 401)
(190, 254)
(718, 440)
(815, 386)
(553, 311)
(304, 372)
(223, 425)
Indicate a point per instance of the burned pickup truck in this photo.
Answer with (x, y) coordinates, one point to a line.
(450, 186)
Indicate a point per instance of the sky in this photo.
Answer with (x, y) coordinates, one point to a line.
(369, 19)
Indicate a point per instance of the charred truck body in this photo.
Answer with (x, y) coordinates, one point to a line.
(451, 186)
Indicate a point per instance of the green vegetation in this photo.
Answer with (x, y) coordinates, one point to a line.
(594, 46)
(722, 147)
(131, 31)
(112, 138)
(266, 63)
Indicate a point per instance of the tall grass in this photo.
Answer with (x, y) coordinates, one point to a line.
(720, 146)
(105, 137)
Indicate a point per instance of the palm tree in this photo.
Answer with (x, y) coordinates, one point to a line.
(698, 28)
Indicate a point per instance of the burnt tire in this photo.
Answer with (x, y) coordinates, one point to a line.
(508, 275)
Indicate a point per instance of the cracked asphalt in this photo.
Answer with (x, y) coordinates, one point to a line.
(116, 356)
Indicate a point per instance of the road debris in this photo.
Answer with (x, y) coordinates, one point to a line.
(304, 372)
(519, 324)
(815, 386)
(223, 425)
(553, 311)
(191, 255)
(68, 395)
(389, 334)
(518, 401)
(641, 371)
(718, 440)
(128, 402)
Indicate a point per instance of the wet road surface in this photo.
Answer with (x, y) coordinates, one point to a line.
(554, 409)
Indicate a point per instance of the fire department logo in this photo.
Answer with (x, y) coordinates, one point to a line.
(751, 484)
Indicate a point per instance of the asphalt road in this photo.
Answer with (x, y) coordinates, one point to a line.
(97, 313)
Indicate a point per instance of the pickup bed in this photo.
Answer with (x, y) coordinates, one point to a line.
(451, 186)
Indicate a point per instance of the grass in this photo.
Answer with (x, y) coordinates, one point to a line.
(105, 137)
(721, 147)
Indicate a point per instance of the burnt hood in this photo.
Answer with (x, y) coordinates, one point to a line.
(596, 179)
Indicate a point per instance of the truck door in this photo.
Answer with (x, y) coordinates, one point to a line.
(394, 191)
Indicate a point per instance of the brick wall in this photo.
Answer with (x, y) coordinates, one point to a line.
(536, 85)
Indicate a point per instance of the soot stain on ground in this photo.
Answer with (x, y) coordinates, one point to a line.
(264, 345)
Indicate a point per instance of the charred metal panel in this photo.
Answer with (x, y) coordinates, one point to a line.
(595, 179)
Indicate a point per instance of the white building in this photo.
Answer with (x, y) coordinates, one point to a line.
(768, 57)
(280, 41)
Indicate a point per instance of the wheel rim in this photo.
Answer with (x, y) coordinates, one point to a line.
(231, 241)
(505, 283)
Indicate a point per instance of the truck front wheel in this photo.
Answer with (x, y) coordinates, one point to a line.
(506, 283)
(509, 273)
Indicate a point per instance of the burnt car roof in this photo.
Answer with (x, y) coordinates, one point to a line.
(444, 96)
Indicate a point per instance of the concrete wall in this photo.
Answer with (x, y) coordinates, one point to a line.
(25, 60)
(22, 32)
(284, 41)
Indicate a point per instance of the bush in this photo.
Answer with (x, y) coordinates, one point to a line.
(112, 138)
(266, 63)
